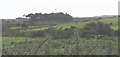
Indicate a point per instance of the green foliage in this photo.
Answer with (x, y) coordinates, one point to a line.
(114, 22)
(33, 46)
(13, 33)
(40, 33)
(60, 17)
(88, 33)
(11, 41)
(63, 38)
(97, 28)
(61, 33)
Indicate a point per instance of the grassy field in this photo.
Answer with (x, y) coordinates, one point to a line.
(78, 24)
(70, 46)
(114, 22)
(32, 46)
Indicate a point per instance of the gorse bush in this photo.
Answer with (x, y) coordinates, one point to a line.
(88, 33)
(40, 33)
(95, 29)
(60, 33)
(56, 33)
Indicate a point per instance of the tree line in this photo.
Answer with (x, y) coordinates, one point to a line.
(63, 17)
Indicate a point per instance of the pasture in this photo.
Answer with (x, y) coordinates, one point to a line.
(74, 45)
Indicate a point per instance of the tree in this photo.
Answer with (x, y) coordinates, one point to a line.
(50, 17)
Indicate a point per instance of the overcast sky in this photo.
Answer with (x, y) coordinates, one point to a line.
(77, 8)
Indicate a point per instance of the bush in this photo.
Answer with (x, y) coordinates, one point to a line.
(97, 28)
(40, 33)
(116, 32)
(87, 33)
(55, 33)
(60, 33)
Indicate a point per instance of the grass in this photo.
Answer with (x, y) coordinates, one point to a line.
(78, 24)
(114, 22)
(10, 41)
(55, 46)
(20, 45)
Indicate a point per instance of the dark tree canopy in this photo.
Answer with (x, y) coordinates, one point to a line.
(63, 17)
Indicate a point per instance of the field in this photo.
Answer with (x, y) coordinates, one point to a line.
(114, 22)
(28, 46)
(78, 24)
(75, 45)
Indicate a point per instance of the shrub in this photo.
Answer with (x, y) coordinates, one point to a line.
(97, 28)
(116, 32)
(60, 33)
(40, 33)
(87, 33)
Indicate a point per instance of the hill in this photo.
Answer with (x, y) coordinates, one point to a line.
(80, 24)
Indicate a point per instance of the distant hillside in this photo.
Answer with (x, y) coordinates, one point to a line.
(113, 22)
(94, 17)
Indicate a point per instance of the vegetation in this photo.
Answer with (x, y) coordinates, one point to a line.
(33, 46)
(61, 17)
(36, 35)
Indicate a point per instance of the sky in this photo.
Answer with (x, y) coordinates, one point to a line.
(10, 9)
